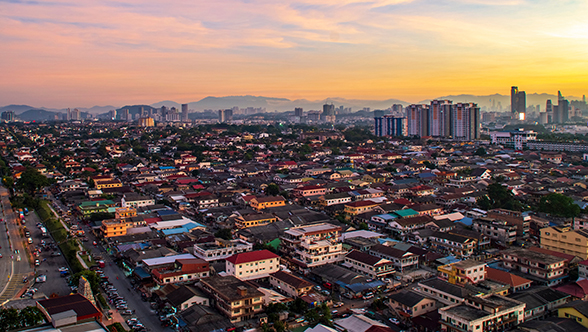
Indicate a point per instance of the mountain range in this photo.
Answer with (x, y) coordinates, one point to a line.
(30, 113)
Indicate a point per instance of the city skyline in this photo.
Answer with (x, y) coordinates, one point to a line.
(86, 53)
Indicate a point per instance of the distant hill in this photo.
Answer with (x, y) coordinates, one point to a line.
(279, 104)
(17, 109)
(37, 115)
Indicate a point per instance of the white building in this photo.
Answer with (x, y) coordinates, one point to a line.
(492, 313)
(220, 249)
(314, 245)
(513, 139)
(253, 264)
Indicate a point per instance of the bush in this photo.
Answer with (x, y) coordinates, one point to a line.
(116, 327)
(102, 301)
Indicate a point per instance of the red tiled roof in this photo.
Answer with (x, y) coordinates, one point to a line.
(251, 256)
(361, 203)
(152, 220)
(505, 277)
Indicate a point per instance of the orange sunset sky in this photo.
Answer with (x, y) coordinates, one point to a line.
(66, 53)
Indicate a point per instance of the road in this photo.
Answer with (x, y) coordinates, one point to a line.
(143, 311)
(13, 270)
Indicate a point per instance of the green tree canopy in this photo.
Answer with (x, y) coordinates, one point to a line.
(31, 181)
(272, 189)
(498, 196)
(224, 233)
(559, 205)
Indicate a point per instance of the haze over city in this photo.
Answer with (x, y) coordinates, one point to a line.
(86, 53)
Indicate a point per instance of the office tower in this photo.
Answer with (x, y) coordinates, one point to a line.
(184, 112)
(7, 116)
(313, 116)
(563, 106)
(68, 114)
(125, 115)
(417, 120)
(390, 125)
(518, 102)
(299, 112)
(328, 114)
(397, 108)
(225, 115)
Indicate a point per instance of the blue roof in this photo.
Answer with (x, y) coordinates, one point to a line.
(358, 288)
(406, 181)
(448, 260)
(141, 273)
(466, 221)
(166, 167)
(166, 212)
(382, 241)
(172, 231)
(427, 175)
(385, 216)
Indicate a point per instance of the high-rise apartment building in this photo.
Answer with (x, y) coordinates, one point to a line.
(390, 125)
(518, 103)
(225, 115)
(444, 119)
(184, 112)
(440, 118)
(417, 120)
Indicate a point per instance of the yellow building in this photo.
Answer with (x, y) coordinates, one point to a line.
(120, 225)
(146, 122)
(577, 310)
(468, 271)
(565, 240)
(102, 182)
(358, 207)
(260, 203)
(254, 219)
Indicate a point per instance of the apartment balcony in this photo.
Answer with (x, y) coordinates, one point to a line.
(449, 327)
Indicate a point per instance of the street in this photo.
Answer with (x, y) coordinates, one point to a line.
(12, 270)
(143, 311)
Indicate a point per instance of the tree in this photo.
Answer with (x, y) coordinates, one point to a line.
(498, 196)
(9, 319)
(8, 182)
(30, 316)
(481, 151)
(559, 205)
(31, 180)
(224, 233)
(272, 189)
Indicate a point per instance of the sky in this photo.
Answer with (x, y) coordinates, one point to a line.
(81, 53)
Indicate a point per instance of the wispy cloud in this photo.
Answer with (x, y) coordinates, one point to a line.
(366, 48)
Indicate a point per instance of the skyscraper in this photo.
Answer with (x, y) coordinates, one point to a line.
(225, 115)
(298, 111)
(328, 114)
(563, 106)
(184, 112)
(518, 102)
